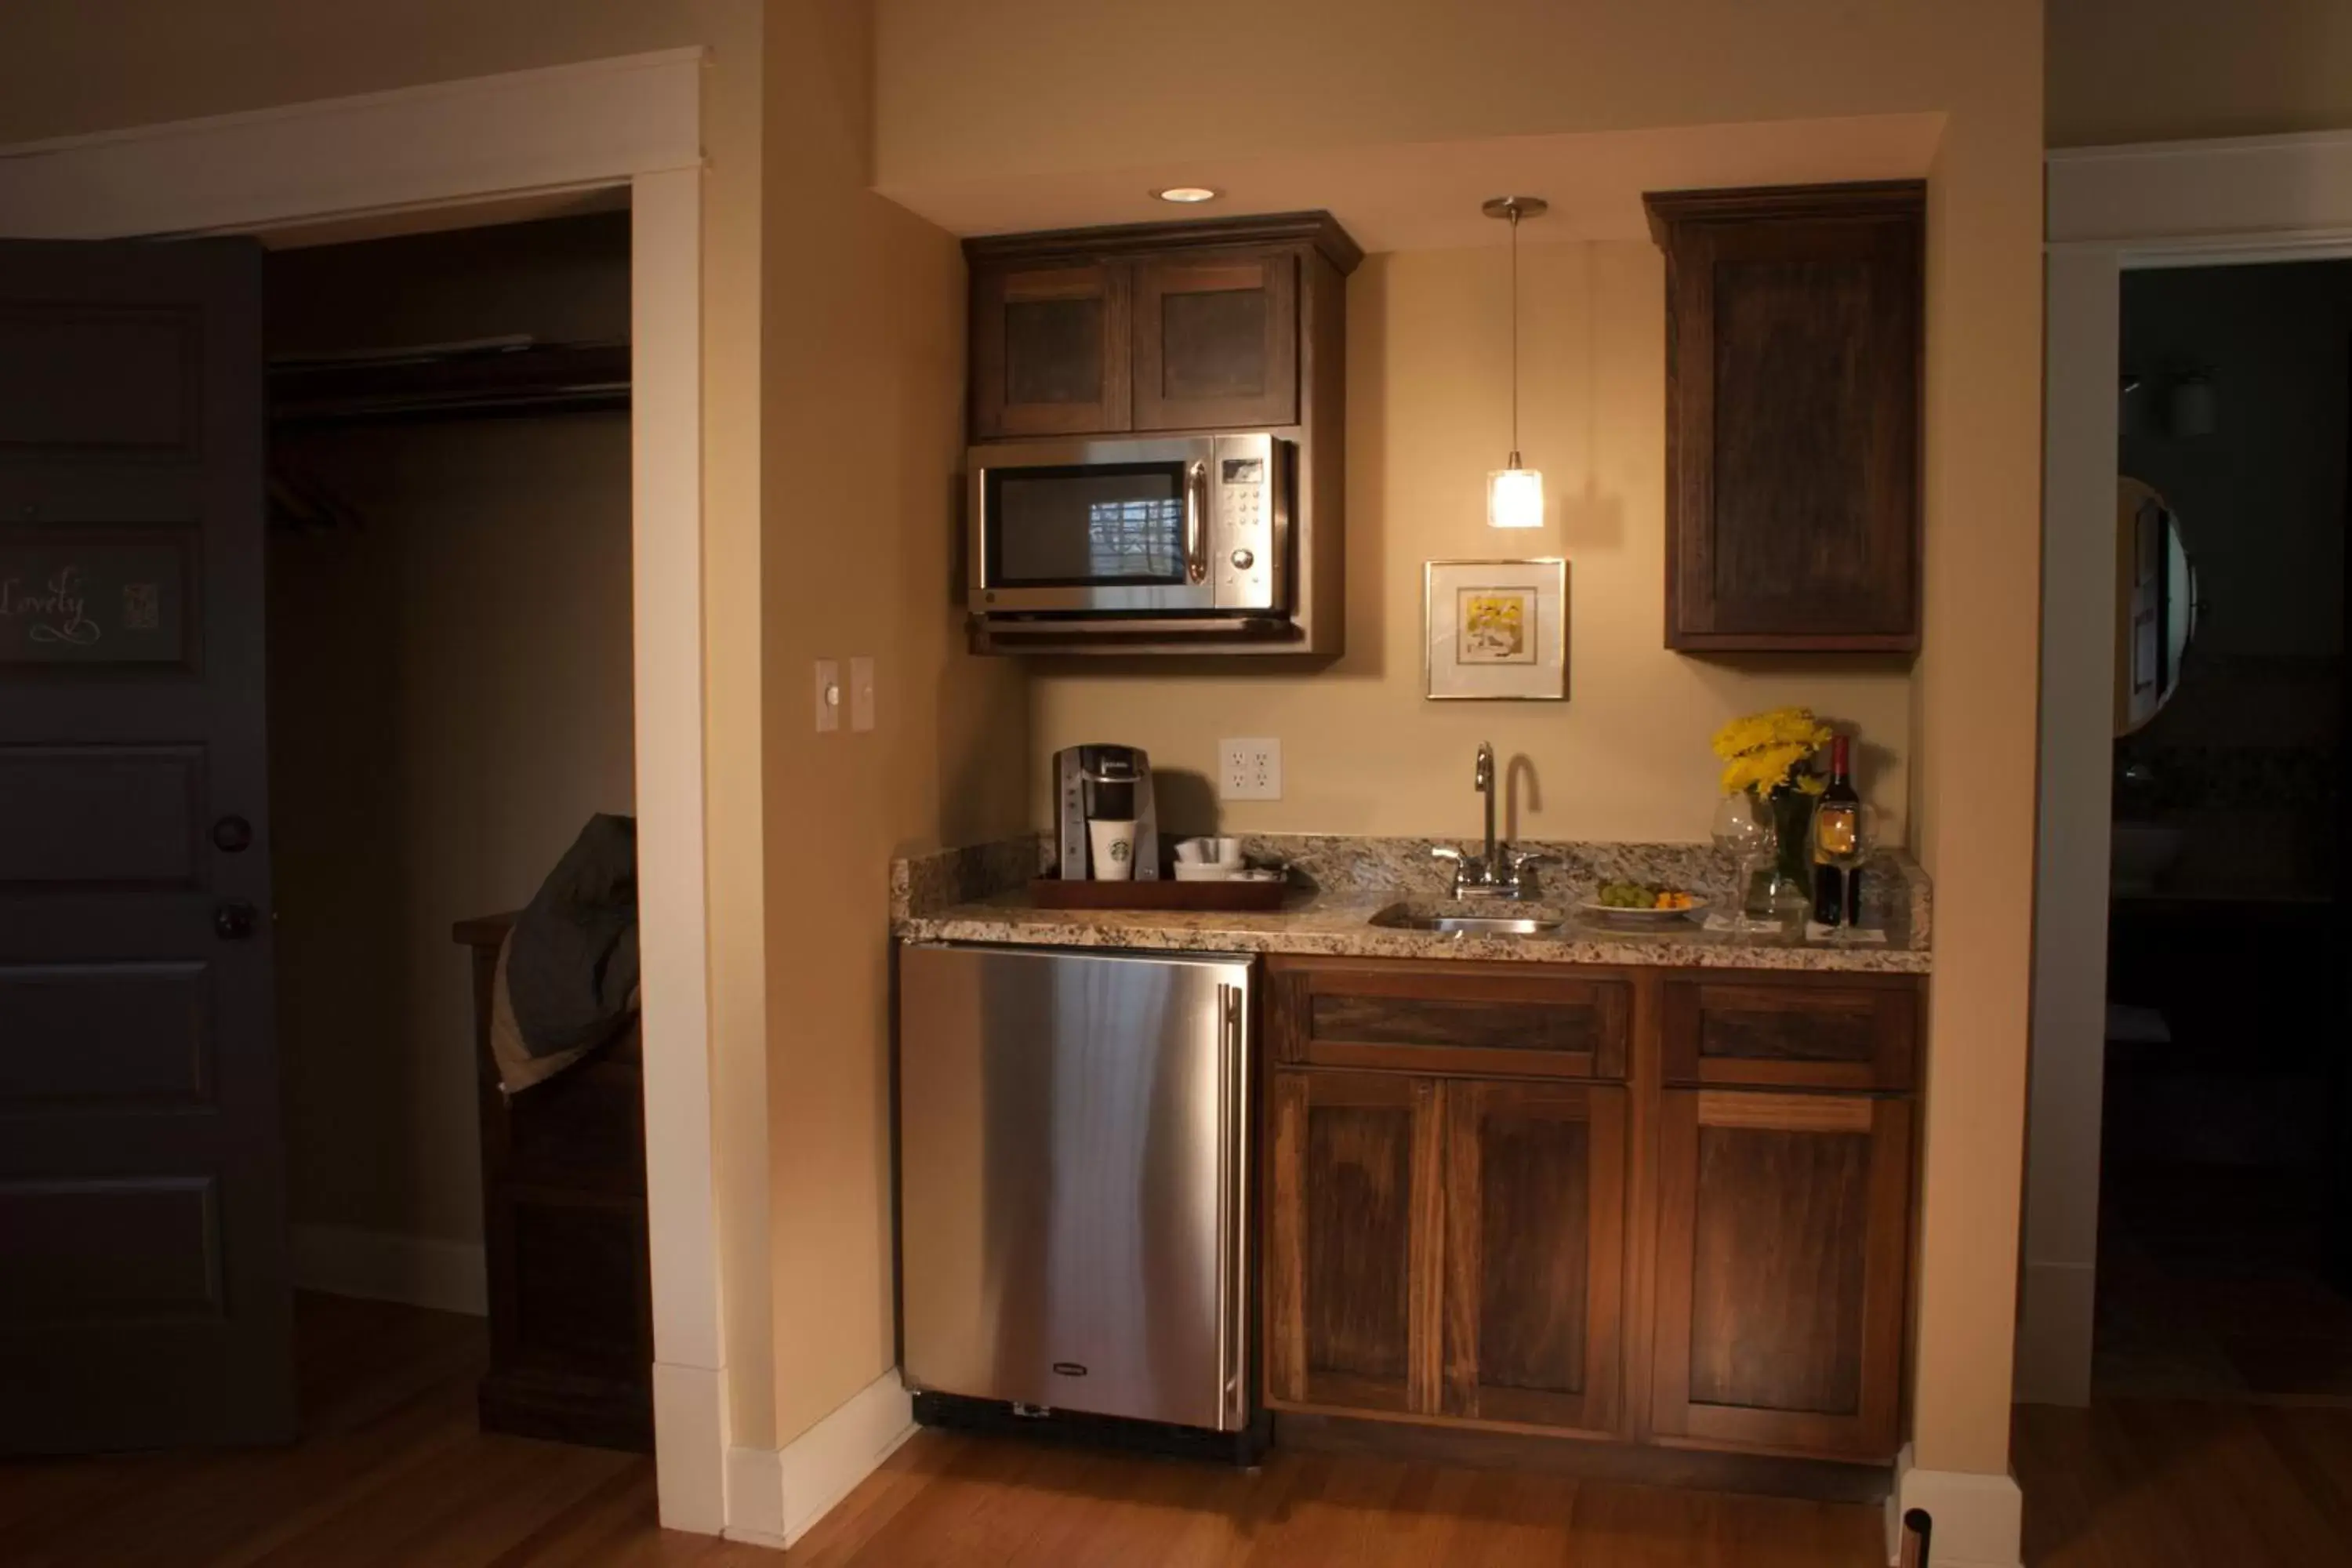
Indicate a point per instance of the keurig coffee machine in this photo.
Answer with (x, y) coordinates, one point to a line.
(1110, 783)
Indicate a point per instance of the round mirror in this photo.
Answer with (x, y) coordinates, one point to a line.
(2155, 604)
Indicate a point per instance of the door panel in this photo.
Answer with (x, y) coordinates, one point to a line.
(1351, 1271)
(1446, 1019)
(1216, 342)
(1783, 1247)
(1535, 1210)
(141, 1201)
(1049, 350)
(1852, 1031)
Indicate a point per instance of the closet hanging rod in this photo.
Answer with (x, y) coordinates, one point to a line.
(462, 381)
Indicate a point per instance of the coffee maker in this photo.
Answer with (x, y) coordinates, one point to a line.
(1109, 783)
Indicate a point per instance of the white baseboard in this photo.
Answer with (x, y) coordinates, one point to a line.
(421, 1270)
(689, 1452)
(773, 1497)
(1979, 1520)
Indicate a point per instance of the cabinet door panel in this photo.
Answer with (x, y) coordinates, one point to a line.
(1049, 350)
(1793, 414)
(1855, 1032)
(1535, 1197)
(1450, 1018)
(1783, 1247)
(1216, 342)
(1353, 1204)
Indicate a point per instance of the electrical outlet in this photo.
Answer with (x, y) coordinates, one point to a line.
(1249, 770)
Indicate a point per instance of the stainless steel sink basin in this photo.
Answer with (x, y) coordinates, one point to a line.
(1404, 917)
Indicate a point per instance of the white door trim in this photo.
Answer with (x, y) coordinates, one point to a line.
(2175, 204)
(634, 121)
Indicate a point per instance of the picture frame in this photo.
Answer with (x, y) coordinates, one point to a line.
(1494, 631)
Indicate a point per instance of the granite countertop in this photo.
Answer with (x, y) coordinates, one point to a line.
(980, 895)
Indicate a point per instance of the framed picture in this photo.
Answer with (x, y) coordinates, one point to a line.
(1495, 630)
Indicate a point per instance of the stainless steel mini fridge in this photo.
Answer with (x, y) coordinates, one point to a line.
(1072, 1176)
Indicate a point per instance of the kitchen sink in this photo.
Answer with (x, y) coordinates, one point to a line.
(1406, 916)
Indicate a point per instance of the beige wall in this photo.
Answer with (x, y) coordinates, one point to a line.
(74, 66)
(863, 425)
(1042, 87)
(2168, 70)
(450, 700)
(1428, 414)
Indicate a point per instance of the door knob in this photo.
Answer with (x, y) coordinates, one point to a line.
(231, 834)
(234, 919)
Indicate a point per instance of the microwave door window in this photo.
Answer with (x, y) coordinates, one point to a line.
(1099, 526)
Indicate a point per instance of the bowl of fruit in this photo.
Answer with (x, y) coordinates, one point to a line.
(1643, 902)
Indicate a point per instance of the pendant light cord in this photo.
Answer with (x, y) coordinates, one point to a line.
(1515, 336)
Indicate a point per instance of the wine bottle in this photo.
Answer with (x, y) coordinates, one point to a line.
(1837, 829)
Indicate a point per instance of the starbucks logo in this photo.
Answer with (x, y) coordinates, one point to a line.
(1121, 851)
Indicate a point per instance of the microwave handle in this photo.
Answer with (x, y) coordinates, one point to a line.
(1196, 532)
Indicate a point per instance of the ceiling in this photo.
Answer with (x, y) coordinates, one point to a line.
(1425, 195)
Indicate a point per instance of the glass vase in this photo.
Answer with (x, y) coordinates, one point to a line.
(1786, 887)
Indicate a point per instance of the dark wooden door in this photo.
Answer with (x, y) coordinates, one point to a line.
(1216, 342)
(1782, 1252)
(1535, 1247)
(1049, 349)
(1353, 1214)
(1792, 423)
(143, 1297)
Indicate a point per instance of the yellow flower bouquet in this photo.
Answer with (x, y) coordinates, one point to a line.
(1766, 753)
(1769, 755)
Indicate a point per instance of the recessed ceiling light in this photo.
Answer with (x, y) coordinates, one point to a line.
(1186, 193)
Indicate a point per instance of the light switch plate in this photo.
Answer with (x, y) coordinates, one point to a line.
(829, 695)
(861, 692)
(1249, 770)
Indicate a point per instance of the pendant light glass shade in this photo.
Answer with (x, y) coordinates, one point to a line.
(1514, 494)
(1514, 497)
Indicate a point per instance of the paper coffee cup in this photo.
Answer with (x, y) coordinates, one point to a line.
(1114, 846)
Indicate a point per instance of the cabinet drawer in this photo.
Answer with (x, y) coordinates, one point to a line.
(1798, 1032)
(1446, 1019)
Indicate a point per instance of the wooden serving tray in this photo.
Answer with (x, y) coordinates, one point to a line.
(1054, 893)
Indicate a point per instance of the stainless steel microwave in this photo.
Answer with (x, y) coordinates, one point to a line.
(1159, 527)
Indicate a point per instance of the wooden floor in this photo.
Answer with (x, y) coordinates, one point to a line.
(391, 1470)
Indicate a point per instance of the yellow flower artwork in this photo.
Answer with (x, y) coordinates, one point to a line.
(1498, 625)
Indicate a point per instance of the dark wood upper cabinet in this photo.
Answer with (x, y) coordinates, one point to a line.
(1535, 1252)
(1049, 352)
(1782, 1246)
(1216, 342)
(1226, 324)
(1792, 417)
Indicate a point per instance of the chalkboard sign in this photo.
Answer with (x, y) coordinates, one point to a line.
(93, 601)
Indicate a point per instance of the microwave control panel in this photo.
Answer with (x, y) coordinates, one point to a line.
(1247, 535)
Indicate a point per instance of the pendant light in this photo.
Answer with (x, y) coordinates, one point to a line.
(1514, 494)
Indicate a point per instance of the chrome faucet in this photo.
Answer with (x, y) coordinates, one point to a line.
(1499, 871)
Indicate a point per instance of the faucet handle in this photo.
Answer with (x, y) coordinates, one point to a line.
(1520, 865)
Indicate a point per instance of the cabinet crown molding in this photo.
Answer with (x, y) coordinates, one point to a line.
(1319, 229)
(1741, 203)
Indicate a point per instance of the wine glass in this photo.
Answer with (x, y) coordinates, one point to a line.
(1841, 839)
(1744, 829)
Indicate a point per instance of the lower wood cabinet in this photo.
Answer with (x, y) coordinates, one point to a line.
(1354, 1209)
(1782, 1230)
(1689, 1228)
(1535, 1253)
(1443, 1248)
